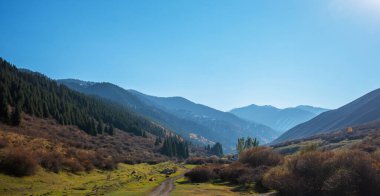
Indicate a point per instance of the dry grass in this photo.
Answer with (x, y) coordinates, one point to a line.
(56, 147)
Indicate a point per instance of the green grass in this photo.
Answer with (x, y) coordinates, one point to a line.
(183, 187)
(117, 182)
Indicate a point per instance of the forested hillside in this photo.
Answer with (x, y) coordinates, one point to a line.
(37, 95)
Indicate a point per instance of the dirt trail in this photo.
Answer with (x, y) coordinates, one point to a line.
(165, 187)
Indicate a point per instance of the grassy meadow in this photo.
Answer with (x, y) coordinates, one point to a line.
(137, 179)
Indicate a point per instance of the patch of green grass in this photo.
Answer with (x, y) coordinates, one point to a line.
(184, 187)
(126, 180)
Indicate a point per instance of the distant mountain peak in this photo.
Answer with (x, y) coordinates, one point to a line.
(360, 111)
(278, 119)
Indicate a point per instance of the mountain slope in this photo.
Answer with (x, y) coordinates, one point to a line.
(223, 126)
(278, 119)
(129, 99)
(193, 121)
(363, 110)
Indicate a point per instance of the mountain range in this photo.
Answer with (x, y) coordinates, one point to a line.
(280, 120)
(361, 111)
(196, 122)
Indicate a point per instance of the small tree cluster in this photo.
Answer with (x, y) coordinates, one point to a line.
(175, 147)
(244, 144)
(216, 149)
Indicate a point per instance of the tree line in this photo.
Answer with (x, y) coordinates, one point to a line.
(216, 149)
(175, 147)
(244, 144)
(37, 95)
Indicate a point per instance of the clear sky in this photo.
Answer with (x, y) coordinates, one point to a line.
(222, 53)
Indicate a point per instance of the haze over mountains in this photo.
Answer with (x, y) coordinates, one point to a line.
(199, 123)
(278, 119)
(361, 111)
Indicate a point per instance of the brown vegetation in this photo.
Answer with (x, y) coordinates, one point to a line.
(260, 156)
(55, 148)
(18, 162)
(205, 160)
(201, 174)
(326, 173)
(309, 172)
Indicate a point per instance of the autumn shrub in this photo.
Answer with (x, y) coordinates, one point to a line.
(254, 176)
(234, 171)
(260, 156)
(356, 167)
(3, 142)
(103, 161)
(201, 174)
(18, 162)
(196, 160)
(205, 160)
(52, 161)
(86, 159)
(325, 173)
(72, 165)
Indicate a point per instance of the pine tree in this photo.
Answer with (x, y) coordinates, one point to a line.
(158, 141)
(111, 130)
(240, 145)
(217, 150)
(100, 128)
(4, 111)
(16, 116)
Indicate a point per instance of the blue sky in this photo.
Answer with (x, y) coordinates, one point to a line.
(221, 53)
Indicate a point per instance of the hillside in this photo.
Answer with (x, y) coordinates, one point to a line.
(363, 110)
(278, 119)
(365, 136)
(127, 98)
(47, 124)
(223, 126)
(199, 123)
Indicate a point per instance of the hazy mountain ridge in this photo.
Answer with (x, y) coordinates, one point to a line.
(179, 114)
(360, 111)
(278, 119)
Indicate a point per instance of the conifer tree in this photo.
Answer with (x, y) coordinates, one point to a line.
(16, 116)
(217, 150)
(100, 128)
(4, 111)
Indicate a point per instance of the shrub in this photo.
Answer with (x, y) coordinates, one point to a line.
(260, 156)
(357, 167)
(196, 161)
(3, 142)
(325, 173)
(204, 160)
(52, 161)
(18, 162)
(233, 172)
(253, 176)
(73, 165)
(200, 174)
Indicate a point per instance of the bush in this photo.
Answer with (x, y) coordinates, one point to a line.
(233, 172)
(201, 174)
(73, 165)
(196, 161)
(18, 162)
(253, 176)
(204, 160)
(260, 156)
(3, 142)
(52, 161)
(325, 173)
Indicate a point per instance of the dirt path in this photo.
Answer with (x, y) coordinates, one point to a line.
(165, 187)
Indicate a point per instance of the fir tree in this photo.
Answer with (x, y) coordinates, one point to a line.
(100, 128)
(4, 111)
(16, 116)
